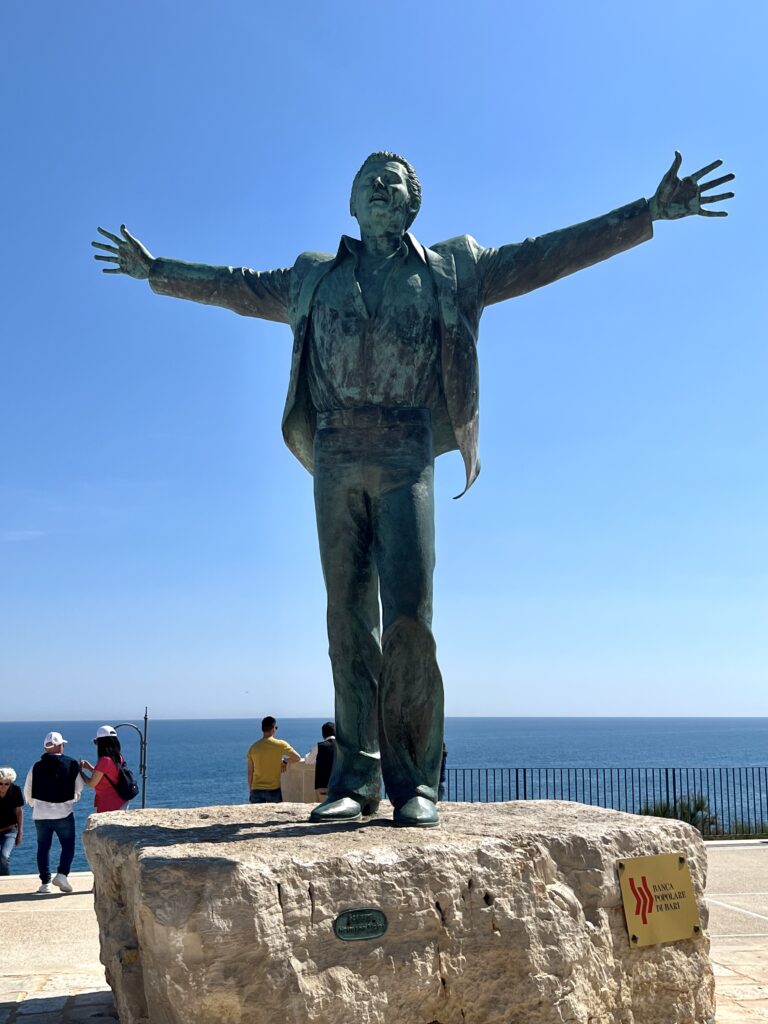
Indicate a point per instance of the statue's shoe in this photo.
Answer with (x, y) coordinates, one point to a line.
(418, 812)
(344, 809)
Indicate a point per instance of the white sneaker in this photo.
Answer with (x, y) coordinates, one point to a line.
(45, 887)
(62, 882)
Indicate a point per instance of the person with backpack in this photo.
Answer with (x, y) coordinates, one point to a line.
(105, 777)
(52, 788)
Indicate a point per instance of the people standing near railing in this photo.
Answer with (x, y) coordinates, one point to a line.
(441, 788)
(52, 788)
(106, 771)
(321, 756)
(11, 818)
(266, 759)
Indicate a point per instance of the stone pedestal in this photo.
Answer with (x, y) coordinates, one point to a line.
(506, 914)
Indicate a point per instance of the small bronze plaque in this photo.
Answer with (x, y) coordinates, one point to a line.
(352, 925)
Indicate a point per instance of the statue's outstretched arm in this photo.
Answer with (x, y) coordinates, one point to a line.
(247, 292)
(519, 268)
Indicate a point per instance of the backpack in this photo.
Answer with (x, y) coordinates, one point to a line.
(126, 786)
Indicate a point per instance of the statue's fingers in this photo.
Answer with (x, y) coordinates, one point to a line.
(108, 234)
(111, 270)
(675, 167)
(107, 248)
(106, 259)
(705, 170)
(128, 236)
(716, 199)
(716, 182)
(713, 213)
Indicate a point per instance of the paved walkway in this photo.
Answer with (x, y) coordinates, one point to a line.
(50, 971)
(49, 965)
(737, 893)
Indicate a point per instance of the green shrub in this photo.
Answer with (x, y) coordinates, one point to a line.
(692, 809)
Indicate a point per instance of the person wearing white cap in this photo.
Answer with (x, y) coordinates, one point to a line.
(106, 771)
(52, 788)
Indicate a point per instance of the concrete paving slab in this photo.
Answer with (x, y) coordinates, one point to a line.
(93, 982)
(90, 1014)
(94, 998)
(737, 894)
(729, 919)
(54, 933)
(736, 867)
(50, 1004)
(50, 971)
(54, 1017)
(753, 904)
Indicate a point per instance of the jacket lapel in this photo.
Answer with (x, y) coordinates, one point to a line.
(459, 363)
(444, 275)
(308, 287)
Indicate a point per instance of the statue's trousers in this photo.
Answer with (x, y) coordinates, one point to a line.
(374, 499)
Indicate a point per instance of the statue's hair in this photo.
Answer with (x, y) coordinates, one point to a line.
(414, 185)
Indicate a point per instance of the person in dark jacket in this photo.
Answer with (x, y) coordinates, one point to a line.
(321, 756)
(11, 818)
(52, 789)
(442, 787)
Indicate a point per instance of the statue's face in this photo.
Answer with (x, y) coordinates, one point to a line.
(381, 201)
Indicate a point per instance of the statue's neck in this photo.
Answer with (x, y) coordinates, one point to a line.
(381, 245)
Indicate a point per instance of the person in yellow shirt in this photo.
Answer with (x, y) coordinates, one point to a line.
(266, 759)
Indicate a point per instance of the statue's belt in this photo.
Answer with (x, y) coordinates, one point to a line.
(372, 416)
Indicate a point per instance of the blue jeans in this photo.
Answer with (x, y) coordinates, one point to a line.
(266, 796)
(7, 843)
(64, 829)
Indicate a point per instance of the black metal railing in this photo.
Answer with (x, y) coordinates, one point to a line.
(719, 801)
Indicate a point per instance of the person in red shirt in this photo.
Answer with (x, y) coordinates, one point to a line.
(104, 773)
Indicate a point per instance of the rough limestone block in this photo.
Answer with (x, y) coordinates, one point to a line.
(297, 783)
(506, 914)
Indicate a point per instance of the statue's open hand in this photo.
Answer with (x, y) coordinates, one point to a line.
(680, 197)
(128, 253)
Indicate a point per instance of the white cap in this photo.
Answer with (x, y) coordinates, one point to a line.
(54, 739)
(103, 731)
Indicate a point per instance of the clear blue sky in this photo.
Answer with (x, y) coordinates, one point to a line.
(157, 539)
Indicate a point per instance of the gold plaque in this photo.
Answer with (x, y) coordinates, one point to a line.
(659, 901)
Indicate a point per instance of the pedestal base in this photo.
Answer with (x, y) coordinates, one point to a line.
(506, 914)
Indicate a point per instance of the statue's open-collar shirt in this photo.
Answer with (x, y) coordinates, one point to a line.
(377, 348)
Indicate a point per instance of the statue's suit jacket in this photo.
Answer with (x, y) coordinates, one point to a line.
(467, 278)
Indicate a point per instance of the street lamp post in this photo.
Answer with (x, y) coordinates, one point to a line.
(142, 753)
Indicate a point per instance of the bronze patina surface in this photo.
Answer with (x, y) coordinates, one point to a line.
(384, 378)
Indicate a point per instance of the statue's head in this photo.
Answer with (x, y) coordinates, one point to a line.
(386, 193)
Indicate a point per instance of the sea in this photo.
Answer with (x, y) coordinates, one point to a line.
(201, 762)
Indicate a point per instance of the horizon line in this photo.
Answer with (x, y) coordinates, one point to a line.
(306, 718)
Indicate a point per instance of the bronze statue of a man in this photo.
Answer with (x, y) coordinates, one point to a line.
(384, 378)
